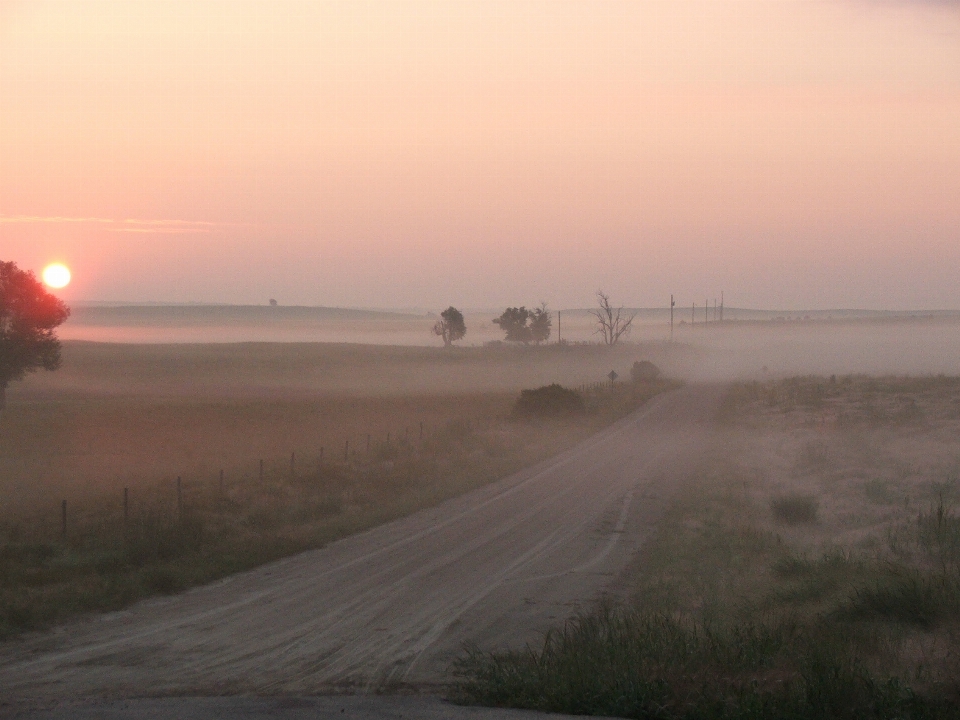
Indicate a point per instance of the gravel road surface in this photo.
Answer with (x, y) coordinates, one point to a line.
(391, 608)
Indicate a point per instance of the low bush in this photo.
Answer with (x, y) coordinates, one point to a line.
(644, 370)
(549, 401)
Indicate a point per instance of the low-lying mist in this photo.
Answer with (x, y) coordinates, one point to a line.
(753, 343)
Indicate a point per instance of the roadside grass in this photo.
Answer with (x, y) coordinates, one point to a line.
(172, 533)
(768, 590)
(627, 663)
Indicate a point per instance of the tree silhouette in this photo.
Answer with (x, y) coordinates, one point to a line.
(522, 325)
(451, 326)
(612, 323)
(28, 316)
(513, 322)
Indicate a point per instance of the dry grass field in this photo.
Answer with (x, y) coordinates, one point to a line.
(121, 415)
(134, 439)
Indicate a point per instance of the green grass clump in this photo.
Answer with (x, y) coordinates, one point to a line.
(795, 509)
(923, 587)
(907, 596)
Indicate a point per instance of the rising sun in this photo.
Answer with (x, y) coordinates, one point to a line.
(56, 275)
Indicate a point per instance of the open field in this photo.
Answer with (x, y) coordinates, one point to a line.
(119, 415)
(390, 608)
(134, 440)
(811, 568)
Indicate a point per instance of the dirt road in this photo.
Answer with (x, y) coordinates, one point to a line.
(392, 606)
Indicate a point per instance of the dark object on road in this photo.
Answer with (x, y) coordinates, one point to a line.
(549, 401)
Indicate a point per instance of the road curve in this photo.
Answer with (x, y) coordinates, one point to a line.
(392, 606)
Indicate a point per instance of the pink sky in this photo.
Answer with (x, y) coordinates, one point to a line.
(792, 153)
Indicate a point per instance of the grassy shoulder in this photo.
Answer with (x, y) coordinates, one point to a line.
(170, 533)
(811, 569)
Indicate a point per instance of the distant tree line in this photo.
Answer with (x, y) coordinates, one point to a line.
(523, 325)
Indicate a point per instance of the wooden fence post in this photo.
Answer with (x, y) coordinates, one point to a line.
(63, 519)
(293, 465)
(346, 451)
(261, 470)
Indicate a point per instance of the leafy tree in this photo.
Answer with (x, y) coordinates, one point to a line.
(513, 322)
(612, 324)
(540, 324)
(451, 326)
(522, 325)
(28, 316)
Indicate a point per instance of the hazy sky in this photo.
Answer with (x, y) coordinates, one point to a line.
(792, 153)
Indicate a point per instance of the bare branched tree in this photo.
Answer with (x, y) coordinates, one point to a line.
(612, 324)
(540, 324)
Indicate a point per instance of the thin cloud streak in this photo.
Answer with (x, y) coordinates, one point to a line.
(51, 219)
(161, 230)
(127, 225)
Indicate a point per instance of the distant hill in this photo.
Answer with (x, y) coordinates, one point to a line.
(683, 313)
(102, 314)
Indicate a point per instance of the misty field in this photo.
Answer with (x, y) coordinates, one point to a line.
(177, 464)
(810, 569)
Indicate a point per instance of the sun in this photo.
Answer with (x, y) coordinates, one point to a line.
(56, 275)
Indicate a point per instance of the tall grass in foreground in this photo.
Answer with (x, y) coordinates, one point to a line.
(826, 641)
(632, 664)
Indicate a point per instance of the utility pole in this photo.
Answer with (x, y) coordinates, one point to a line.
(672, 303)
(721, 306)
(693, 315)
(559, 339)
